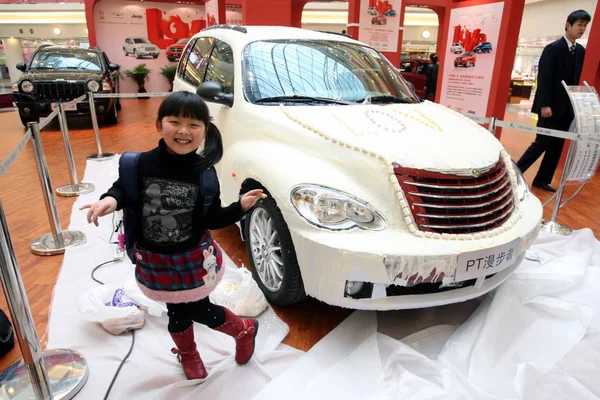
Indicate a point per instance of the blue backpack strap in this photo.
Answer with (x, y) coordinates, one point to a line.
(208, 188)
(128, 165)
(128, 172)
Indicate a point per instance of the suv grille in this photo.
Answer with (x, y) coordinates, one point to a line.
(454, 204)
(59, 91)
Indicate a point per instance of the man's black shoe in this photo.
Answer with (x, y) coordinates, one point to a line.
(544, 186)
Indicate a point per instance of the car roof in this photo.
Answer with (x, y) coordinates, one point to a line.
(254, 33)
(57, 47)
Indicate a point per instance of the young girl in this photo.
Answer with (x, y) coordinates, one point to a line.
(174, 250)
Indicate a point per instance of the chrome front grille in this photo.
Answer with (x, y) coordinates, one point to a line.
(149, 48)
(59, 91)
(455, 204)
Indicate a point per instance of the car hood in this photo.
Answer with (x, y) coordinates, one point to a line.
(43, 75)
(421, 136)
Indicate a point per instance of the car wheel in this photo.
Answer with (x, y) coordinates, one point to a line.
(136, 54)
(111, 117)
(118, 104)
(125, 51)
(155, 57)
(455, 65)
(26, 120)
(468, 64)
(272, 254)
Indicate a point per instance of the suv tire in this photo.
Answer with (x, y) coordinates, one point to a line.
(291, 288)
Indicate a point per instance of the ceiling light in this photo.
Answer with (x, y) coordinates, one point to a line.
(426, 34)
(57, 31)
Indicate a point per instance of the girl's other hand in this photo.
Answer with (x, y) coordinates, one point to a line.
(100, 208)
(250, 198)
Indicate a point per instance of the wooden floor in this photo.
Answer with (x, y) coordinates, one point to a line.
(309, 321)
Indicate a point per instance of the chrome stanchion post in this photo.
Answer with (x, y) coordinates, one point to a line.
(57, 241)
(55, 374)
(75, 188)
(552, 226)
(492, 125)
(100, 156)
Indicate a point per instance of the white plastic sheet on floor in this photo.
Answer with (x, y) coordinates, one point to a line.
(152, 371)
(536, 338)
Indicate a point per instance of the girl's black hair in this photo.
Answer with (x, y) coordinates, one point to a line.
(190, 105)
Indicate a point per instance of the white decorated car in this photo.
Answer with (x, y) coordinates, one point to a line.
(376, 199)
(140, 47)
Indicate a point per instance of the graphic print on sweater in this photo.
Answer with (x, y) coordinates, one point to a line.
(168, 207)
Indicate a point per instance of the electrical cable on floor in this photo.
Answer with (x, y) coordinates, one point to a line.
(112, 382)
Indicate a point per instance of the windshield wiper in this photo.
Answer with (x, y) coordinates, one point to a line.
(385, 98)
(303, 99)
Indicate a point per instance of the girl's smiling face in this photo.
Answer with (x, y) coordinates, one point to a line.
(182, 135)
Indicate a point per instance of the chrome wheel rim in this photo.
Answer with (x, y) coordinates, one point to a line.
(266, 249)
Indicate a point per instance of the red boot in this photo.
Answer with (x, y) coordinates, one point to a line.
(243, 331)
(192, 364)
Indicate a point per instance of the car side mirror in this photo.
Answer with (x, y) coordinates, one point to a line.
(21, 67)
(114, 67)
(214, 93)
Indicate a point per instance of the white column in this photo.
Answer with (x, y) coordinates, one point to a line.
(14, 55)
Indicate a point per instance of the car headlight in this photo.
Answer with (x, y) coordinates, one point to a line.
(106, 85)
(332, 209)
(27, 86)
(522, 188)
(93, 86)
(15, 87)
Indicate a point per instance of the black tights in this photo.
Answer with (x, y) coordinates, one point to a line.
(203, 311)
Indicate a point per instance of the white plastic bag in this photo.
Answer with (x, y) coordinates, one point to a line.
(239, 292)
(112, 308)
(153, 307)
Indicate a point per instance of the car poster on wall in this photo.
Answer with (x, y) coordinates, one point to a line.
(470, 57)
(212, 12)
(379, 24)
(133, 33)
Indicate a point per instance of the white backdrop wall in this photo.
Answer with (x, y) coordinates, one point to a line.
(547, 18)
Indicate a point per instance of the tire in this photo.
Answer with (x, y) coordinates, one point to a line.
(291, 287)
(136, 54)
(111, 117)
(125, 51)
(26, 120)
(118, 104)
(155, 57)
(468, 64)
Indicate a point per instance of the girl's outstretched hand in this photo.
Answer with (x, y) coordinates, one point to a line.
(250, 198)
(100, 208)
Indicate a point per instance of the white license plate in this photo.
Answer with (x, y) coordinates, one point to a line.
(68, 107)
(478, 263)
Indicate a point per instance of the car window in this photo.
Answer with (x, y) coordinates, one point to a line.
(220, 66)
(328, 69)
(66, 59)
(194, 60)
(406, 67)
(422, 68)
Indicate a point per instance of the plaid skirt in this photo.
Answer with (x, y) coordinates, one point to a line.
(181, 277)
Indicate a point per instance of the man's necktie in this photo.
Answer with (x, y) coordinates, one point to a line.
(572, 49)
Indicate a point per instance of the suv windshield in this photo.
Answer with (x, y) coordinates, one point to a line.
(320, 69)
(141, 40)
(66, 59)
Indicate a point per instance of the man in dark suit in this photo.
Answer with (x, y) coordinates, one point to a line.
(431, 77)
(561, 60)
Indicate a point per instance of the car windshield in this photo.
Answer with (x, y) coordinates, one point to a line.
(320, 69)
(141, 40)
(66, 59)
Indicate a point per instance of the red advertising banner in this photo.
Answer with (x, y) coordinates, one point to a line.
(132, 33)
(469, 62)
(379, 24)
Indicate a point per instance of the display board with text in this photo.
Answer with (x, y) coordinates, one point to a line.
(132, 33)
(379, 24)
(585, 153)
(470, 57)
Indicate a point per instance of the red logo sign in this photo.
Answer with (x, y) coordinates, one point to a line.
(163, 32)
(467, 38)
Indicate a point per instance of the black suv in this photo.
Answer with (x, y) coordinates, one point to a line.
(63, 73)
